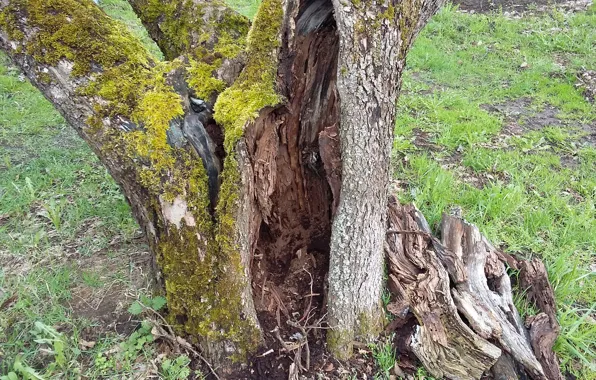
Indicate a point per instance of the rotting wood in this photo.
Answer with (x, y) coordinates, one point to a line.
(442, 341)
(544, 327)
(489, 310)
(465, 275)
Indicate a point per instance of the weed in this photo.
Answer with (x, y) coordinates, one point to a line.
(53, 211)
(421, 374)
(146, 303)
(177, 369)
(124, 358)
(384, 355)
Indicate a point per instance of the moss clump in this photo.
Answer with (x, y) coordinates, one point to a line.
(9, 23)
(69, 29)
(230, 30)
(255, 88)
(207, 39)
(190, 265)
(156, 107)
(202, 80)
(201, 276)
(177, 19)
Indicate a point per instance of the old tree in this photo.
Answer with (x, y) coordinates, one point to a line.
(256, 159)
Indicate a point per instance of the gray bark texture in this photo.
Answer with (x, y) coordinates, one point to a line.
(374, 39)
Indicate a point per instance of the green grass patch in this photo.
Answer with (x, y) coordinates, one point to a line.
(528, 181)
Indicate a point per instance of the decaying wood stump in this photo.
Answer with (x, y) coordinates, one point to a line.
(460, 294)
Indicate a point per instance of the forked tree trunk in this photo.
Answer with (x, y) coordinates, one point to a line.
(255, 161)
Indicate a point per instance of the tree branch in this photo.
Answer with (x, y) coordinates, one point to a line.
(211, 34)
(141, 119)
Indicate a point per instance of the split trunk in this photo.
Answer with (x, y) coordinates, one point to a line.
(255, 157)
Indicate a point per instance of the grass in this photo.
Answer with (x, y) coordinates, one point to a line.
(528, 181)
(383, 353)
(472, 131)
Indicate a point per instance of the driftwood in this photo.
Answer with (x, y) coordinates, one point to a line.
(459, 291)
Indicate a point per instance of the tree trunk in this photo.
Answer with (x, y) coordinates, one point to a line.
(255, 161)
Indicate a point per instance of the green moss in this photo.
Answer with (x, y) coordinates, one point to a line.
(221, 35)
(123, 80)
(231, 31)
(196, 302)
(44, 78)
(155, 109)
(9, 23)
(340, 343)
(409, 14)
(200, 275)
(202, 80)
(370, 325)
(235, 107)
(255, 88)
(177, 19)
(68, 29)
(389, 14)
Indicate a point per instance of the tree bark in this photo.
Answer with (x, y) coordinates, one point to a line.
(374, 39)
(255, 162)
(165, 151)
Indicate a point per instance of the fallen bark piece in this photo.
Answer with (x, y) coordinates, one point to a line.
(544, 327)
(442, 341)
(488, 308)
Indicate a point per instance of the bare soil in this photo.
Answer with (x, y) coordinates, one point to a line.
(124, 271)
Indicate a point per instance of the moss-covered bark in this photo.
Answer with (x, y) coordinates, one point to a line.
(128, 108)
(211, 35)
